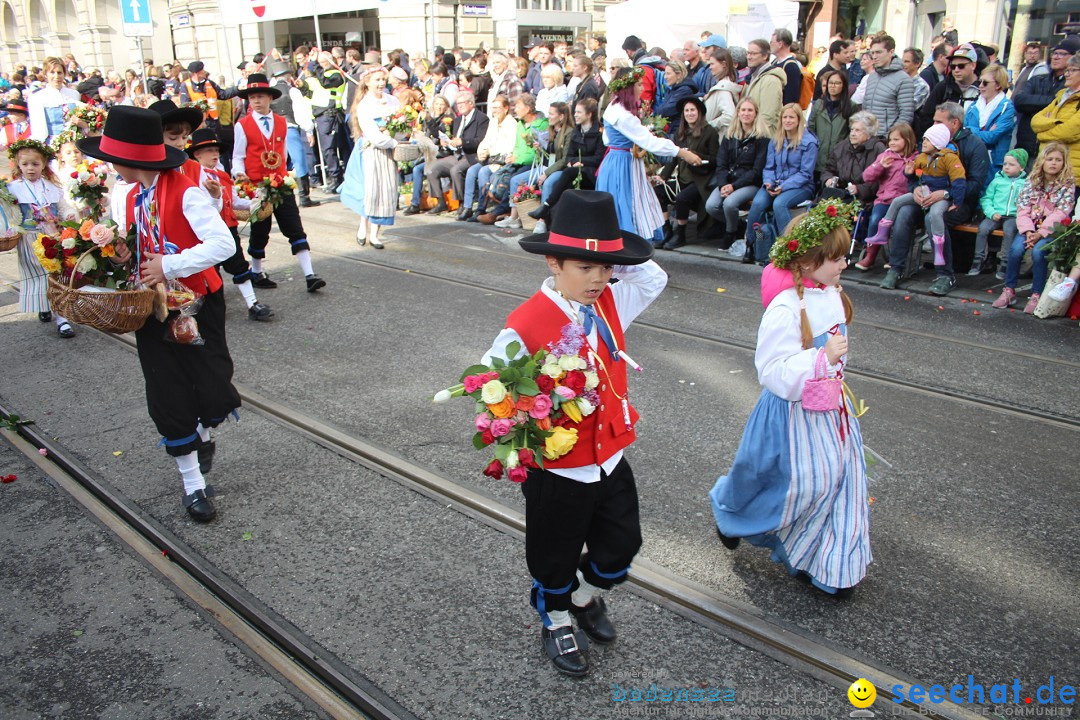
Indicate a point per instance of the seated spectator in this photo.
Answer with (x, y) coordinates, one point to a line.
(529, 126)
(583, 157)
(680, 183)
(788, 179)
(992, 117)
(766, 86)
(887, 171)
(439, 120)
(725, 91)
(559, 129)
(740, 161)
(937, 168)
(843, 174)
(467, 131)
(999, 207)
(553, 90)
(829, 114)
(1046, 199)
(680, 87)
(1060, 120)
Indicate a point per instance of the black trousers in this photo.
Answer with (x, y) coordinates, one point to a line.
(566, 181)
(238, 265)
(188, 384)
(452, 167)
(326, 125)
(561, 516)
(685, 199)
(287, 215)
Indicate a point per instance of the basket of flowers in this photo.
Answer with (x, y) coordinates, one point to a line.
(527, 199)
(401, 125)
(9, 219)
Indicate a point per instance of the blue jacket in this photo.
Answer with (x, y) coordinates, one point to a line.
(702, 78)
(792, 167)
(669, 108)
(997, 133)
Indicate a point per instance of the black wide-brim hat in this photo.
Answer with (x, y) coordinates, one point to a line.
(257, 82)
(170, 113)
(18, 106)
(202, 138)
(681, 105)
(585, 226)
(132, 137)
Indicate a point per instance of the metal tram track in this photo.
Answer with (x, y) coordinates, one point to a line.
(314, 671)
(1014, 409)
(798, 649)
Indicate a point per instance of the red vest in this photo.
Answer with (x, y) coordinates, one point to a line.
(174, 227)
(257, 143)
(193, 172)
(11, 136)
(539, 321)
(228, 214)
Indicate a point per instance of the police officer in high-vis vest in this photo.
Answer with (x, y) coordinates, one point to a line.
(201, 87)
(326, 89)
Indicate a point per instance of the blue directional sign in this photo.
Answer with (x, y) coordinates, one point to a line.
(136, 17)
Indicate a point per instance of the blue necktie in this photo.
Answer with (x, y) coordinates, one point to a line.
(602, 330)
(266, 123)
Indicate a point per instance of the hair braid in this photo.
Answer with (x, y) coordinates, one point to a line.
(804, 321)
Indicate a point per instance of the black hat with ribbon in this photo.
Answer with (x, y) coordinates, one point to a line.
(257, 83)
(585, 226)
(170, 113)
(18, 106)
(202, 138)
(132, 137)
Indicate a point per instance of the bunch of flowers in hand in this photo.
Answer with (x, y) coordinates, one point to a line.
(1063, 252)
(201, 105)
(90, 118)
(527, 408)
(404, 122)
(658, 125)
(267, 193)
(86, 190)
(448, 125)
(83, 249)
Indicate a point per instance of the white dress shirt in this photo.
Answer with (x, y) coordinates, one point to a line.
(240, 142)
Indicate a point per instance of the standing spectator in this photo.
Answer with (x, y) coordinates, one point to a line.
(912, 63)
(992, 117)
(841, 55)
(504, 79)
(479, 80)
(466, 131)
(889, 94)
(589, 84)
(326, 89)
(938, 69)
(652, 81)
(533, 81)
(766, 86)
(696, 68)
(780, 44)
(1060, 119)
(553, 89)
(710, 45)
(598, 47)
(740, 162)
(948, 34)
(48, 105)
(444, 84)
(559, 51)
(1039, 91)
(1033, 66)
(295, 143)
(965, 65)
(866, 68)
(724, 94)
(829, 114)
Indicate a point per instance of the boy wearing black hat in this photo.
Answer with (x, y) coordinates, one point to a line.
(16, 125)
(259, 152)
(587, 495)
(178, 236)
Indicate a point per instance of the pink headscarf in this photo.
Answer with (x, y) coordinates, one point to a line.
(775, 281)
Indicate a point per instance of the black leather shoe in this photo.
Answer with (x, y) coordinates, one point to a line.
(44, 316)
(465, 214)
(729, 542)
(314, 282)
(306, 202)
(206, 456)
(260, 312)
(411, 210)
(438, 209)
(565, 648)
(748, 256)
(65, 330)
(540, 213)
(199, 505)
(593, 621)
(262, 280)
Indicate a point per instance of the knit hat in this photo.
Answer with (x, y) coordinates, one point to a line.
(938, 135)
(1020, 154)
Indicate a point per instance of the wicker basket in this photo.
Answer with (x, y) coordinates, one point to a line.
(406, 152)
(9, 242)
(524, 207)
(117, 311)
(265, 211)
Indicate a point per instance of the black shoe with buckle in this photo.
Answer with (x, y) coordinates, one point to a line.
(593, 621)
(199, 505)
(262, 280)
(566, 648)
(44, 316)
(314, 282)
(260, 312)
(206, 456)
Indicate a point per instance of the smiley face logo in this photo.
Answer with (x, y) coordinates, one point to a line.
(861, 693)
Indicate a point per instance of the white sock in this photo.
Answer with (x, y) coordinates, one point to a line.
(304, 258)
(189, 468)
(247, 291)
(256, 265)
(585, 592)
(204, 433)
(558, 619)
(60, 319)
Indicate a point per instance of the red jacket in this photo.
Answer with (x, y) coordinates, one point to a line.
(257, 144)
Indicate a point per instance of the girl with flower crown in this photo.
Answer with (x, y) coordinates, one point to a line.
(36, 190)
(798, 483)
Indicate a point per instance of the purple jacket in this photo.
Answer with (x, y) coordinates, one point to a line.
(892, 183)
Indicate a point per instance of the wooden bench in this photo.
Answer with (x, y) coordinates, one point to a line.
(964, 250)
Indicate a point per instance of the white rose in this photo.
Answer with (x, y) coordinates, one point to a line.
(553, 371)
(67, 243)
(569, 362)
(585, 407)
(86, 264)
(492, 392)
(512, 460)
(83, 176)
(591, 379)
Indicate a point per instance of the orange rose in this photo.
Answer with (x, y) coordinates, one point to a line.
(544, 423)
(67, 233)
(70, 261)
(504, 408)
(84, 229)
(525, 403)
(107, 251)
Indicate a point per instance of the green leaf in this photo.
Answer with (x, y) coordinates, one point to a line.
(509, 375)
(527, 386)
(474, 370)
(502, 452)
(478, 441)
(246, 536)
(77, 633)
(498, 363)
(513, 349)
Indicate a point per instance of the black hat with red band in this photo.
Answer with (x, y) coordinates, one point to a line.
(18, 106)
(170, 113)
(132, 137)
(257, 83)
(202, 138)
(585, 226)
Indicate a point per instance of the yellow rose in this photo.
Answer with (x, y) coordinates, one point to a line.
(50, 265)
(492, 392)
(560, 442)
(572, 410)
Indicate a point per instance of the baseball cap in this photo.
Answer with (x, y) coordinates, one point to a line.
(714, 40)
(965, 52)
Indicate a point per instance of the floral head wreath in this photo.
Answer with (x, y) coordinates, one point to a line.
(811, 230)
(37, 145)
(70, 134)
(626, 80)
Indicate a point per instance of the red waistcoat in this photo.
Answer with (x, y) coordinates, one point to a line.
(257, 143)
(228, 214)
(539, 321)
(193, 172)
(11, 136)
(174, 227)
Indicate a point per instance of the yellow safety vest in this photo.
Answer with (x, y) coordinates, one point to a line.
(326, 97)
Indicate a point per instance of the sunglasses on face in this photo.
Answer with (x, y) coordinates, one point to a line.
(984, 83)
(958, 66)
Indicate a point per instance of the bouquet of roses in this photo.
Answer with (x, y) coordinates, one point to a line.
(201, 105)
(90, 118)
(266, 194)
(83, 250)
(525, 192)
(658, 125)
(1063, 252)
(86, 190)
(404, 121)
(527, 407)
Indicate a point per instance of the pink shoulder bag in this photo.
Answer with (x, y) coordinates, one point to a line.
(822, 393)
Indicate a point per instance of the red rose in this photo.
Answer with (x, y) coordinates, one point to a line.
(48, 242)
(51, 253)
(831, 211)
(1067, 222)
(494, 470)
(527, 459)
(518, 474)
(68, 252)
(575, 380)
(545, 383)
(8, 479)
(793, 245)
(75, 175)
(487, 437)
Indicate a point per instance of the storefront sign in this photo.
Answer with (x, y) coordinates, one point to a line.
(475, 10)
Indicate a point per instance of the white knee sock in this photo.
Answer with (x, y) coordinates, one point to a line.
(60, 319)
(585, 592)
(557, 619)
(256, 265)
(247, 291)
(204, 433)
(189, 468)
(304, 258)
